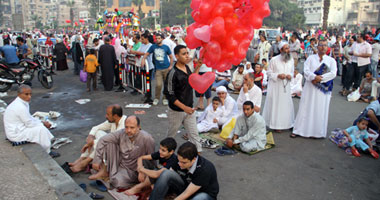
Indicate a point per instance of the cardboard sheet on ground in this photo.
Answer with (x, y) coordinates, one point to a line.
(137, 106)
(121, 195)
(216, 138)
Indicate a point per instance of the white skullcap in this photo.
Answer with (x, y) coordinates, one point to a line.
(282, 44)
(221, 89)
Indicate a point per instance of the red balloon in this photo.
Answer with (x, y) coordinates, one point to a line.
(81, 20)
(205, 9)
(190, 39)
(217, 27)
(195, 4)
(231, 43)
(223, 9)
(230, 23)
(68, 21)
(223, 66)
(76, 23)
(201, 83)
(213, 51)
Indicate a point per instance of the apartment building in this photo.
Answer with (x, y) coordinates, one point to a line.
(126, 5)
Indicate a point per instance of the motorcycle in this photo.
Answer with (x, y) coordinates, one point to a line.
(23, 73)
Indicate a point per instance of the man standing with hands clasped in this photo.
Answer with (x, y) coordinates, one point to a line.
(180, 95)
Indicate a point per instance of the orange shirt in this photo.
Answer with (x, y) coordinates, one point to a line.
(90, 63)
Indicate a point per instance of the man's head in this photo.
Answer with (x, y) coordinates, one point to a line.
(244, 61)
(145, 38)
(362, 123)
(338, 39)
(351, 41)
(181, 54)
(361, 38)
(172, 37)
(6, 41)
(264, 61)
(285, 51)
(187, 155)
(278, 38)
(136, 38)
(240, 69)
(249, 79)
(221, 91)
(263, 38)
(107, 40)
(25, 92)
(248, 108)
(215, 102)
(313, 41)
(257, 68)
(132, 126)
(114, 112)
(167, 147)
(295, 72)
(248, 65)
(159, 38)
(19, 40)
(95, 42)
(322, 47)
(368, 75)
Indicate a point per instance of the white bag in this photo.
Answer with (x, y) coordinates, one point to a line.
(354, 96)
(372, 135)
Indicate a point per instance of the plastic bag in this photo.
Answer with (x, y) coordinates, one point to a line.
(372, 135)
(83, 76)
(228, 128)
(354, 96)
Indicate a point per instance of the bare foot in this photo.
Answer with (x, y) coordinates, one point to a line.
(99, 175)
(132, 191)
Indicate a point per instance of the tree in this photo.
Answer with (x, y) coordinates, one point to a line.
(70, 4)
(37, 21)
(285, 14)
(95, 7)
(139, 3)
(326, 8)
(180, 9)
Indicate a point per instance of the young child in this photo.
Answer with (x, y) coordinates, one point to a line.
(259, 76)
(208, 121)
(296, 84)
(356, 135)
(166, 160)
(90, 66)
(264, 69)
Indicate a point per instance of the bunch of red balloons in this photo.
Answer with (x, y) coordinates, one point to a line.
(224, 29)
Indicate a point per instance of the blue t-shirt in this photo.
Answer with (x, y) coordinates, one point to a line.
(10, 54)
(358, 134)
(160, 56)
(23, 49)
(375, 107)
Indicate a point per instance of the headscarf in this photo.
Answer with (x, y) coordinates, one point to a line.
(282, 44)
(221, 89)
(119, 49)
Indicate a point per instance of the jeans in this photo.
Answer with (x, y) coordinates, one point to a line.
(170, 180)
(338, 66)
(220, 83)
(93, 77)
(344, 72)
(359, 73)
(348, 76)
(373, 68)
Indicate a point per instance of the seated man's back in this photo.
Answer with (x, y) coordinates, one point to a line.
(10, 53)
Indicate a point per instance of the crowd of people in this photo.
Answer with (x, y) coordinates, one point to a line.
(121, 151)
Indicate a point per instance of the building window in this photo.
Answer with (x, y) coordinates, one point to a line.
(125, 3)
(149, 2)
(109, 3)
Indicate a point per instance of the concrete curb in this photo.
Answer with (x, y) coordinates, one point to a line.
(64, 186)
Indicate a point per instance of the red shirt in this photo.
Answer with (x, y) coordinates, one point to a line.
(257, 75)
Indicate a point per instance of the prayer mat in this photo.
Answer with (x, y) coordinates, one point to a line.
(216, 138)
(120, 195)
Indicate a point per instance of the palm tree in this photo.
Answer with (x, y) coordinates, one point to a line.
(326, 8)
(70, 4)
(138, 3)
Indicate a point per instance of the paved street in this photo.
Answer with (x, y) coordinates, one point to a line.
(295, 169)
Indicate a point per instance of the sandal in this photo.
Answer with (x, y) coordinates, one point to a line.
(293, 135)
(93, 195)
(185, 136)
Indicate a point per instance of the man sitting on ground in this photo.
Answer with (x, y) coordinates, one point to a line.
(249, 92)
(237, 79)
(115, 121)
(372, 112)
(20, 126)
(166, 160)
(249, 131)
(193, 178)
(120, 150)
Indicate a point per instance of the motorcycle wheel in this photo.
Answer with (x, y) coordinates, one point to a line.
(46, 79)
(5, 86)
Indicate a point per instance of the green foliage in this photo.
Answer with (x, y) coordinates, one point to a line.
(285, 14)
(37, 20)
(147, 22)
(173, 12)
(95, 7)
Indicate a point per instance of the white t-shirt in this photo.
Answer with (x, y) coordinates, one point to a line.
(361, 48)
(375, 51)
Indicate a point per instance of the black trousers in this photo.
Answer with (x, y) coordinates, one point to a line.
(359, 73)
(349, 76)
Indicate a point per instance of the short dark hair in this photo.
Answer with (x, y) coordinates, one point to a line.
(313, 39)
(369, 72)
(178, 48)
(169, 143)
(216, 98)
(362, 35)
(188, 151)
(362, 119)
(145, 35)
(249, 103)
(116, 109)
(92, 51)
(264, 59)
(95, 40)
(20, 39)
(172, 37)
(137, 35)
(6, 41)
(240, 66)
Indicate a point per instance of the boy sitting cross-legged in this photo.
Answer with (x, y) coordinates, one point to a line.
(166, 160)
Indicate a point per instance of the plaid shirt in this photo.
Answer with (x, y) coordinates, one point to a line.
(309, 51)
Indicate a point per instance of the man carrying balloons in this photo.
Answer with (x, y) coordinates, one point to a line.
(180, 95)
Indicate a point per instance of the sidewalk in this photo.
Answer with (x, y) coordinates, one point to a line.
(19, 179)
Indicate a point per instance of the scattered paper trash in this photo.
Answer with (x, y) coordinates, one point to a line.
(3, 94)
(83, 101)
(58, 142)
(138, 106)
(139, 112)
(46, 115)
(162, 115)
(54, 114)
